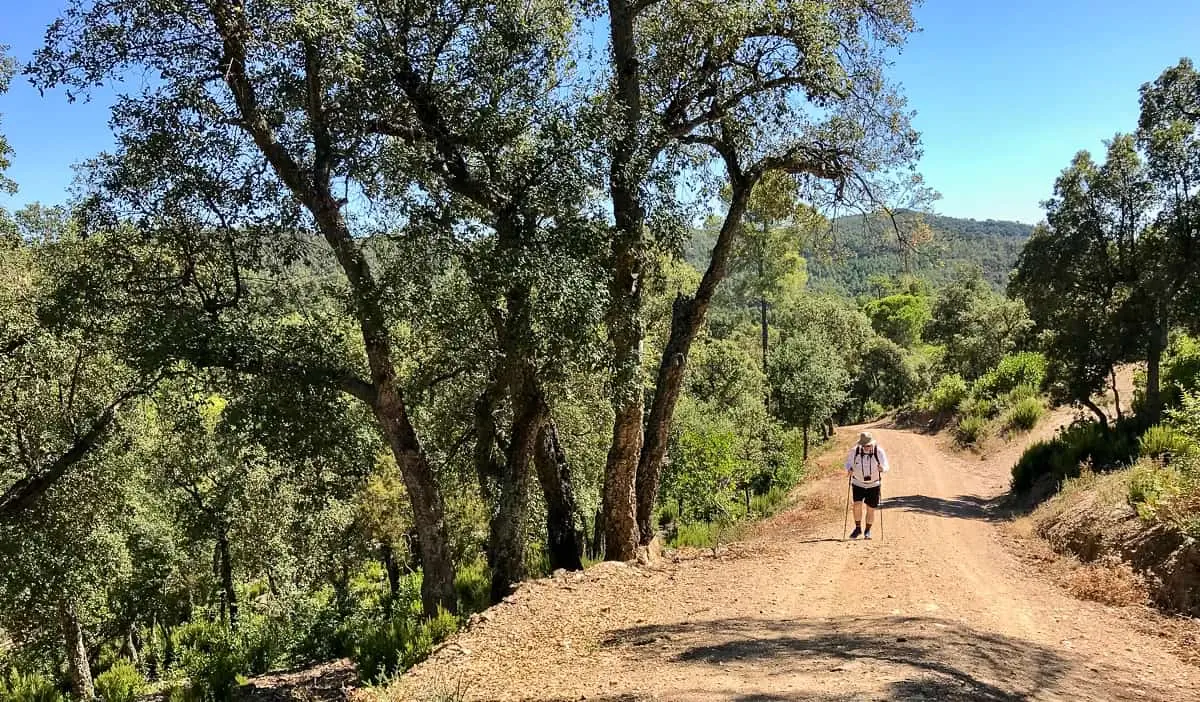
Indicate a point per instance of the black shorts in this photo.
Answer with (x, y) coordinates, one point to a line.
(869, 495)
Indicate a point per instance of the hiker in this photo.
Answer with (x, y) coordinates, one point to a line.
(865, 465)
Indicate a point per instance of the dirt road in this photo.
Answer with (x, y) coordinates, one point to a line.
(938, 607)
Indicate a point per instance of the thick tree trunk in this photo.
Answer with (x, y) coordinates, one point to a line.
(312, 184)
(506, 543)
(805, 430)
(564, 541)
(625, 289)
(687, 317)
(229, 603)
(77, 657)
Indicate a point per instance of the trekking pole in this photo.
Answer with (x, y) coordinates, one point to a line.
(846, 519)
(881, 507)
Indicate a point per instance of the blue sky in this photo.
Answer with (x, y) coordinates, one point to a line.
(1005, 94)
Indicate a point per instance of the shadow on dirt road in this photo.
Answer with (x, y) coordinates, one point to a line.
(918, 657)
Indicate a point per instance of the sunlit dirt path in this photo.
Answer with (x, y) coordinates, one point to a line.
(937, 607)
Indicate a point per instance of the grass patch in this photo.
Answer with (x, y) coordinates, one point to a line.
(1024, 414)
(971, 430)
(1164, 440)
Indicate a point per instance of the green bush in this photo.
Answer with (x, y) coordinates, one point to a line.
(1018, 394)
(473, 584)
(979, 408)
(120, 683)
(970, 430)
(1024, 415)
(1082, 442)
(265, 642)
(697, 535)
(212, 658)
(1163, 439)
(948, 394)
(1151, 487)
(1013, 371)
(18, 687)
(765, 505)
(400, 643)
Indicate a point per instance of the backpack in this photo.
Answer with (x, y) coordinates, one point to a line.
(869, 475)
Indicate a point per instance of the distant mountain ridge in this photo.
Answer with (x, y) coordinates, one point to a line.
(859, 247)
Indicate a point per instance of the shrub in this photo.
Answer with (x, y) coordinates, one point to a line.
(978, 407)
(1109, 581)
(765, 505)
(872, 411)
(1083, 442)
(120, 683)
(18, 687)
(697, 535)
(400, 643)
(1024, 415)
(970, 430)
(212, 659)
(1026, 368)
(1163, 439)
(1151, 488)
(948, 394)
(1017, 394)
(473, 585)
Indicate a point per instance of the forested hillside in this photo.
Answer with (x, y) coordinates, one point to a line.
(375, 310)
(857, 248)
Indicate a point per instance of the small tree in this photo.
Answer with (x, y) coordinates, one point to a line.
(808, 382)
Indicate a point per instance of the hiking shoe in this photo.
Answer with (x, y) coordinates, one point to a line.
(856, 533)
(867, 533)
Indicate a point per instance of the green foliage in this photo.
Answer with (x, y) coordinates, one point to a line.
(1186, 417)
(979, 408)
(1081, 443)
(1024, 414)
(770, 503)
(808, 381)
(971, 429)
(703, 476)
(947, 395)
(212, 658)
(1025, 369)
(28, 687)
(885, 374)
(120, 683)
(1163, 439)
(700, 535)
(867, 247)
(1152, 488)
(1180, 370)
(473, 584)
(399, 643)
(974, 326)
(900, 318)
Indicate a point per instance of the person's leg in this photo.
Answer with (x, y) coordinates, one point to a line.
(859, 496)
(871, 498)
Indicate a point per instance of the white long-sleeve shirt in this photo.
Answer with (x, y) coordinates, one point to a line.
(866, 469)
